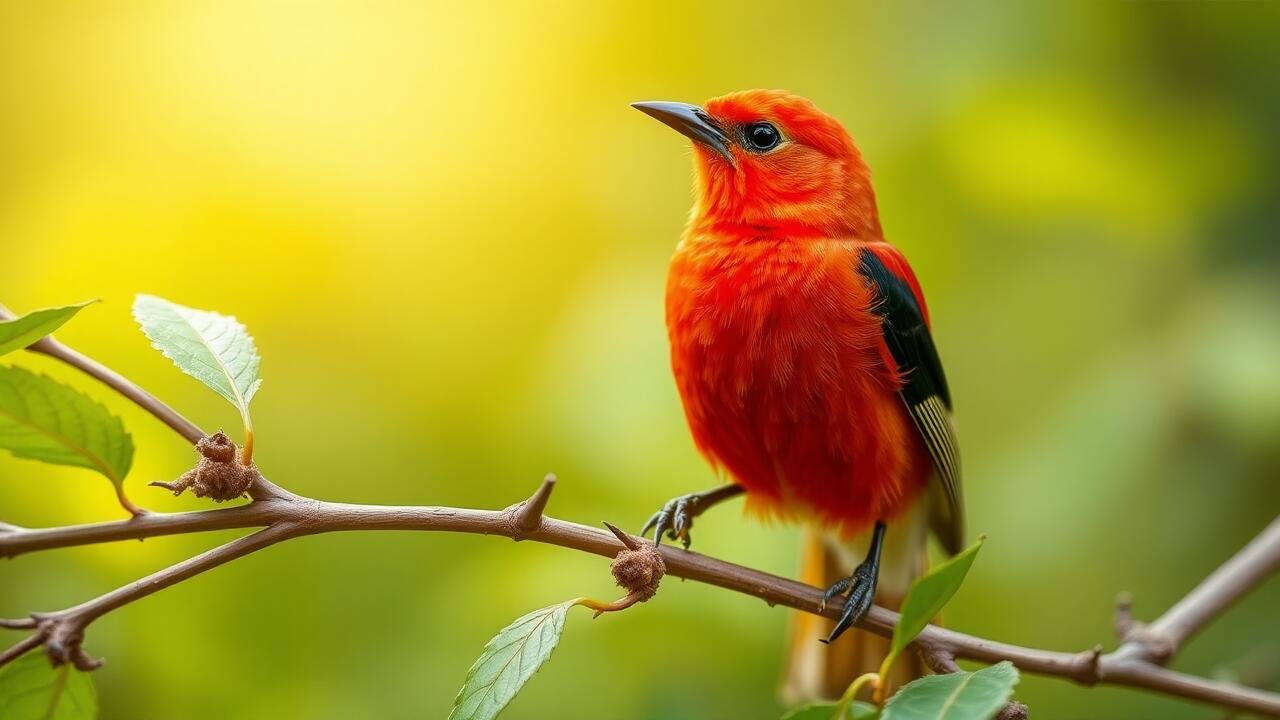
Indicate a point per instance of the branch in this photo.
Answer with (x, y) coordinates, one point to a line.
(1159, 641)
(121, 384)
(1137, 663)
(287, 519)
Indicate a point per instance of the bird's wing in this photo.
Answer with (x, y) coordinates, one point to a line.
(905, 328)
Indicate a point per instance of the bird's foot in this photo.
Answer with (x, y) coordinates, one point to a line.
(675, 519)
(859, 590)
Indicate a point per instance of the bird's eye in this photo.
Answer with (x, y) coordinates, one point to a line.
(761, 136)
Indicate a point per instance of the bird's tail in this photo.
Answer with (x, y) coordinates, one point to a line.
(816, 671)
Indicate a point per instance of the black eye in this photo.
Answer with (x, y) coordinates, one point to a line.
(761, 136)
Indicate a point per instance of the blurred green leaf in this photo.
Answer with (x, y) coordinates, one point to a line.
(214, 349)
(20, 332)
(507, 663)
(32, 689)
(954, 696)
(927, 597)
(43, 419)
(827, 711)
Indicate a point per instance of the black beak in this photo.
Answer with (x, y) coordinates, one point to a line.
(690, 121)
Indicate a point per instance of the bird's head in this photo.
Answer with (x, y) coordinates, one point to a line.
(771, 160)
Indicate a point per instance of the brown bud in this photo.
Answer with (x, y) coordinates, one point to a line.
(639, 571)
(218, 473)
(217, 447)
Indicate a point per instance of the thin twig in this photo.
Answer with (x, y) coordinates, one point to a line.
(306, 516)
(1159, 641)
(262, 489)
(22, 647)
(285, 515)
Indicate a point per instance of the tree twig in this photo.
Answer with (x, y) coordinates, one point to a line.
(285, 515)
(1160, 640)
(307, 516)
(263, 489)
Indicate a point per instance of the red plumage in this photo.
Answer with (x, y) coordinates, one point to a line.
(785, 377)
(786, 380)
(801, 350)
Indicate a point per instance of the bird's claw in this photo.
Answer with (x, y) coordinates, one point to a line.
(861, 591)
(675, 520)
(839, 588)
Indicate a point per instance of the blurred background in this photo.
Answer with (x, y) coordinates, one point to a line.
(448, 233)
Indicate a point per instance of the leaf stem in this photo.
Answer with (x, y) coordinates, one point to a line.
(851, 692)
(601, 607)
(125, 502)
(246, 451)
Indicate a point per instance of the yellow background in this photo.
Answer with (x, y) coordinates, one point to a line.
(448, 233)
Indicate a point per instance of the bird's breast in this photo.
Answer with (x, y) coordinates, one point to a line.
(778, 358)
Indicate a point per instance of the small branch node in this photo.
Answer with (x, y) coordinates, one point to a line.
(938, 658)
(63, 639)
(18, 624)
(1089, 666)
(263, 489)
(623, 538)
(639, 571)
(526, 516)
(1122, 620)
(1156, 647)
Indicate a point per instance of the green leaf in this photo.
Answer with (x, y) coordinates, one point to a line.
(43, 419)
(32, 689)
(507, 663)
(927, 597)
(954, 696)
(214, 349)
(827, 711)
(20, 332)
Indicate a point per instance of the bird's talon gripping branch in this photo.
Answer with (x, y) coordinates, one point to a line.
(675, 518)
(839, 588)
(860, 588)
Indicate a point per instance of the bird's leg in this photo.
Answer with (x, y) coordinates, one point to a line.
(860, 587)
(675, 519)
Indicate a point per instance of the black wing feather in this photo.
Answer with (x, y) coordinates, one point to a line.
(925, 392)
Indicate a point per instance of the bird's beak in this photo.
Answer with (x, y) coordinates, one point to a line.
(690, 121)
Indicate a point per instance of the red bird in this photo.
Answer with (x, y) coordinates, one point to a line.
(801, 349)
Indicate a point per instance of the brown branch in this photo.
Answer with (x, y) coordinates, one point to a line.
(1159, 641)
(62, 632)
(121, 384)
(286, 519)
(285, 515)
(263, 489)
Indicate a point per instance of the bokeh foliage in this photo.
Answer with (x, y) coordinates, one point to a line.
(449, 233)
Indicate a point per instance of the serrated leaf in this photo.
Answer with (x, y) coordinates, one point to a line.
(827, 711)
(927, 597)
(214, 349)
(42, 419)
(954, 696)
(507, 663)
(20, 332)
(32, 689)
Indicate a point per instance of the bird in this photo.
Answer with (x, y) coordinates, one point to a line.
(802, 351)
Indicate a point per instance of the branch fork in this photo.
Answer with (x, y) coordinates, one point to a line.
(282, 515)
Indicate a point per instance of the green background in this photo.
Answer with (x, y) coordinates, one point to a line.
(448, 233)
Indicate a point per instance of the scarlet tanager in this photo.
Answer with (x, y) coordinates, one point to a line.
(801, 347)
